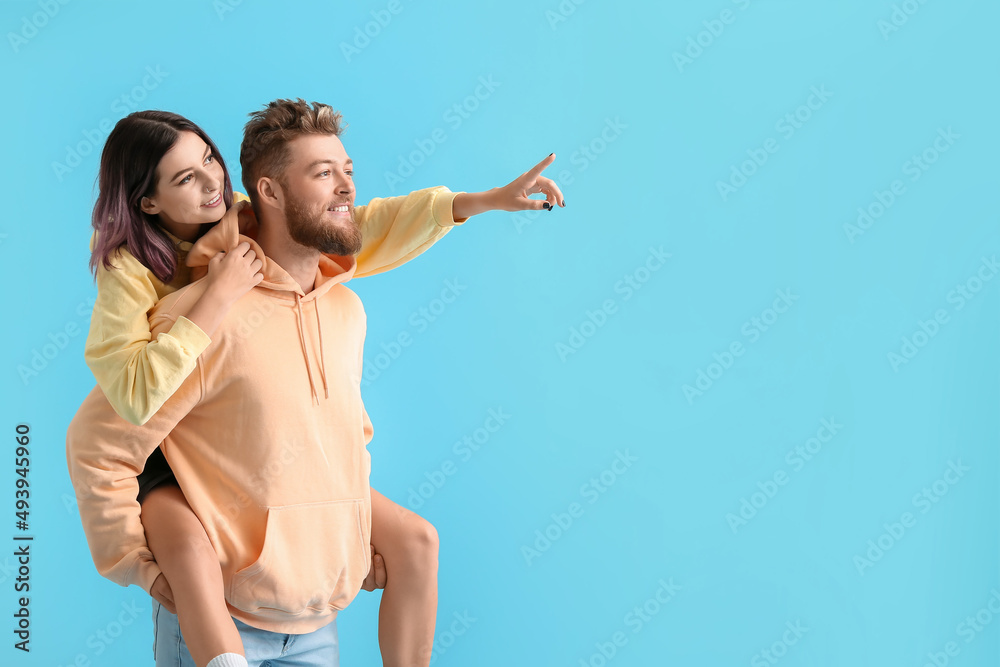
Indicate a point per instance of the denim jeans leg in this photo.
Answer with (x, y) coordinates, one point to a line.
(319, 648)
(169, 649)
(271, 649)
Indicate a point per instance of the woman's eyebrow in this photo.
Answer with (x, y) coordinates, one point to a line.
(208, 150)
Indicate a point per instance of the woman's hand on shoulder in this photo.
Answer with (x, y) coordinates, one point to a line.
(232, 274)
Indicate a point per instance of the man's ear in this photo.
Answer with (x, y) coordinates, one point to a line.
(149, 206)
(270, 192)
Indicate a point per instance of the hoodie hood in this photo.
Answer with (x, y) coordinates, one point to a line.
(238, 225)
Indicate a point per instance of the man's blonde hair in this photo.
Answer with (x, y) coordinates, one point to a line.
(265, 138)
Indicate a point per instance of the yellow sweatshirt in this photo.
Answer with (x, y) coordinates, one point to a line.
(268, 440)
(138, 371)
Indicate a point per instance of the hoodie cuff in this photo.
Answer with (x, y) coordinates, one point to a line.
(145, 574)
(443, 208)
(189, 335)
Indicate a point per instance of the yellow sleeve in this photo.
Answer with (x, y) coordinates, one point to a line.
(136, 372)
(397, 229)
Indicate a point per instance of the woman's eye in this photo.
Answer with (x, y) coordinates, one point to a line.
(350, 173)
(185, 179)
(209, 159)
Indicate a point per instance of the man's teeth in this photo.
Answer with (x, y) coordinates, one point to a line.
(340, 209)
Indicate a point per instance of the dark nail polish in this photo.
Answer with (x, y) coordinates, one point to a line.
(551, 154)
(546, 205)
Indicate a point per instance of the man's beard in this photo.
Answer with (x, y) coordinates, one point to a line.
(307, 227)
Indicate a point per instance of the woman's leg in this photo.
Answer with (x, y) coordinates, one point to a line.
(191, 567)
(409, 546)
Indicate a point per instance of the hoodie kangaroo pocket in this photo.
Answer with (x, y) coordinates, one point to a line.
(314, 560)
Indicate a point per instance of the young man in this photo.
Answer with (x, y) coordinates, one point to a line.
(268, 436)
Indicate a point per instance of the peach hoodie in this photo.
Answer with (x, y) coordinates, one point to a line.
(268, 439)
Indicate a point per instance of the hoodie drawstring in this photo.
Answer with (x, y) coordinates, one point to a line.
(305, 350)
(322, 357)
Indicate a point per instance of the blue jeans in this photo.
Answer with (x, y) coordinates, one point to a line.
(263, 648)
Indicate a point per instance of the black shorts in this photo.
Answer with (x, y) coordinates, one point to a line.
(156, 472)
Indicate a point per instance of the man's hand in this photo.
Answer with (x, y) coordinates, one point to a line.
(161, 593)
(514, 196)
(376, 573)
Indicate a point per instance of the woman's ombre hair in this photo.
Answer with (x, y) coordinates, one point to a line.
(129, 160)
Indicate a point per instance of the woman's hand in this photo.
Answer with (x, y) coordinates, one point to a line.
(233, 274)
(514, 196)
(230, 276)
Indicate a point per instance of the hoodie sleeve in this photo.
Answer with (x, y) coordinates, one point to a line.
(104, 455)
(397, 229)
(136, 370)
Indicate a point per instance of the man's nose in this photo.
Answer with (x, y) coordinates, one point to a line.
(344, 185)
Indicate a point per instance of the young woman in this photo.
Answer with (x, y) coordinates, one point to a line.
(162, 184)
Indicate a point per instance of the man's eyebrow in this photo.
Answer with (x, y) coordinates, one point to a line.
(208, 149)
(316, 163)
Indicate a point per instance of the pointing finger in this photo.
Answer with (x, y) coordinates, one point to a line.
(540, 167)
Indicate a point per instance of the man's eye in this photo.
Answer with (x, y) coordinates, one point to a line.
(350, 172)
(325, 173)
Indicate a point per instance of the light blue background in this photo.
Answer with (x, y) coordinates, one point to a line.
(526, 286)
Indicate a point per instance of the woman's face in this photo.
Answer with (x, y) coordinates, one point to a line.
(189, 183)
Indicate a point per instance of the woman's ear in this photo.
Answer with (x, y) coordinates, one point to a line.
(148, 206)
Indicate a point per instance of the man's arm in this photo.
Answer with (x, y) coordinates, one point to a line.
(104, 455)
(397, 229)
